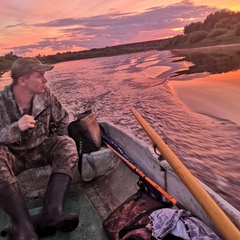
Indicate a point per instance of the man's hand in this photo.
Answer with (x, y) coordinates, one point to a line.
(26, 122)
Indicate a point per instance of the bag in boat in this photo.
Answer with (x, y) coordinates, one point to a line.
(129, 220)
(85, 131)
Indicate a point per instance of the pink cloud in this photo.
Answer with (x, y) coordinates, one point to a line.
(41, 33)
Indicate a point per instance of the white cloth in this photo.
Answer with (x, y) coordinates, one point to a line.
(180, 223)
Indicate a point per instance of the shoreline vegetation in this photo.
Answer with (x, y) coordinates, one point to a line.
(219, 28)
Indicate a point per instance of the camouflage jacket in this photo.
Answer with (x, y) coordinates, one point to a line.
(45, 109)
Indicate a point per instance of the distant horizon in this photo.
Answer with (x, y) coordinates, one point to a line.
(38, 28)
(129, 43)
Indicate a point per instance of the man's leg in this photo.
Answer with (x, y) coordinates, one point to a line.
(11, 200)
(62, 154)
(56, 193)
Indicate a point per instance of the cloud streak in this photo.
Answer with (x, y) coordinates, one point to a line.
(107, 29)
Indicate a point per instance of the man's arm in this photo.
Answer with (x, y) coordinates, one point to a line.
(9, 133)
(12, 133)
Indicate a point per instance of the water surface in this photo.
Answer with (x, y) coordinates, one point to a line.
(183, 98)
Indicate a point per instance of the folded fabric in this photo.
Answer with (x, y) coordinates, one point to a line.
(179, 223)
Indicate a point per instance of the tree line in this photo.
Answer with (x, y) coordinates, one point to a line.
(224, 19)
(7, 61)
(221, 27)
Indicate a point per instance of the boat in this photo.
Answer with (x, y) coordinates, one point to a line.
(106, 182)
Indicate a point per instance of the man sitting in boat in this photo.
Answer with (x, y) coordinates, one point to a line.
(27, 110)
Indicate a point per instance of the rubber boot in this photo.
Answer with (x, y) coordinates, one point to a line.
(52, 213)
(12, 203)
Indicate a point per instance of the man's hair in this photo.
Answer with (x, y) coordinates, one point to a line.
(27, 65)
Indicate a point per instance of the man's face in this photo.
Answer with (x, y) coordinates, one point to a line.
(35, 82)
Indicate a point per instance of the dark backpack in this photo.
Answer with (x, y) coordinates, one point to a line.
(85, 131)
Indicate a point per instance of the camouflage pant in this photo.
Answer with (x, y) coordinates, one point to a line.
(58, 151)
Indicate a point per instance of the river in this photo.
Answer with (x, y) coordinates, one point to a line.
(191, 98)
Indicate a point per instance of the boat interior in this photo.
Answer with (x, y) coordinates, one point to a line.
(105, 183)
(92, 199)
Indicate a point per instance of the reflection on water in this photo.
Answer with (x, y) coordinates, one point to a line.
(210, 59)
(216, 95)
(147, 64)
(153, 72)
(209, 147)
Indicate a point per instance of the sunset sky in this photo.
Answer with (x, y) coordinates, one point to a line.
(46, 27)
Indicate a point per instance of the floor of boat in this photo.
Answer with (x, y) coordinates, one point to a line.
(108, 192)
(90, 224)
(93, 201)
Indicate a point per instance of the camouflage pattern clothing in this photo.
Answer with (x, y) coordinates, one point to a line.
(34, 147)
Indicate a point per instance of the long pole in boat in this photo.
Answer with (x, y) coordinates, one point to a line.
(147, 179)
(220, 219)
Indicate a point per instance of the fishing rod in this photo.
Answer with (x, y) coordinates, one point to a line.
(120, 153)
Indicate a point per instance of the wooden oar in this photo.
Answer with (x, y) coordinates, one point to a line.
(220, 219)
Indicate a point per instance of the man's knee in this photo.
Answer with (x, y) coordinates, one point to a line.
(6, 169)
(67, 141)
(65, 155)
(5, 155)
(66, 145)
(4, 149)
